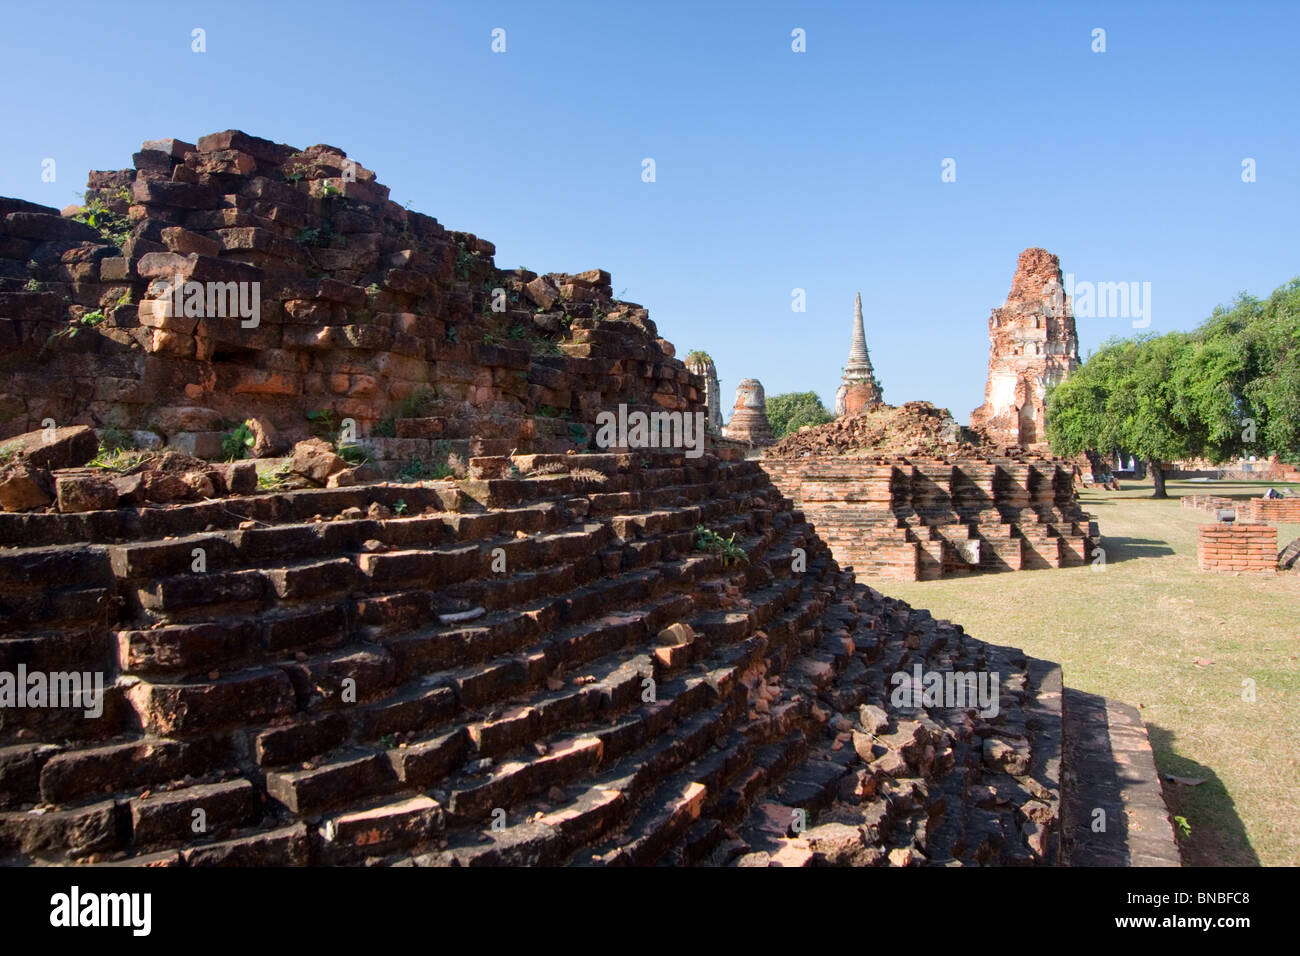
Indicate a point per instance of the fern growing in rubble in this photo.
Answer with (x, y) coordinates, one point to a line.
(711, 542)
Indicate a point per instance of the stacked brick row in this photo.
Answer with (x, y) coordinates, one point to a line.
(365, 309)
(1274, 509)
(926, 518)
(1237, 548)
(1209, 503)
(537, 665)
(1284, 510)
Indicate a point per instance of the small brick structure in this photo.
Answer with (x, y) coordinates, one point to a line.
(1237, 547)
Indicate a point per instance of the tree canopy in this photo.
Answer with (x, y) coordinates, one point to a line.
(1231, 387)
(789, 412)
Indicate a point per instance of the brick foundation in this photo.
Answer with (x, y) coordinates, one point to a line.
(1237, 547)
(925, 518)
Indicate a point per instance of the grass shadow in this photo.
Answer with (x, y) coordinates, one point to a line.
(1119, 549)
(1217, 837)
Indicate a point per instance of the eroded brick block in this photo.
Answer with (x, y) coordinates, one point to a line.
(193, 708)
(304, 791)
(171, 816)
(288, 846)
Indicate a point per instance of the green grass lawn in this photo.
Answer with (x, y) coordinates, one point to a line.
(1135, 630)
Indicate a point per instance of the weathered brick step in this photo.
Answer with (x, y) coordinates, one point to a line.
(665, 816)
(66, 649)
(635, 525)
(275, 509)
(343, 776)
(657, 486)
(516, 780)
(601, 717)
(702, 838)
(68, 724)
(63, 598)
(170, 817)
(187, 518)
(812, 785)
(504, 632)
(797, 774)
(388, 618)
(779, 607)
(771, 751)
(719, 496)
(539, 833)
(449, 564)
(697, 562)
(619, 730)
(136, 819)
(580, 647)
(35, 569)
(615, 685)
(299, 542)
(378, 828)
(763, 805)
(513, 781)
(649, 839)
(639, 774)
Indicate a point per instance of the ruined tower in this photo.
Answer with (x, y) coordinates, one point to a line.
(1032, 344)
(701, 363)
(859, 388)
(749, 417)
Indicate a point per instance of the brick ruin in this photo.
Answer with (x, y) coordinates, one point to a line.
(859, 387)
(1256, 510)
(368, 312)
(541, 661)
(905, 494)
(1032, 344)
(344, 685)
(1237, 548)
(1219, 548)
(917, 519)
(749, 423)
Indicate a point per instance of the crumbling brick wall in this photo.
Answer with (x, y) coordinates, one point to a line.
(368, 311)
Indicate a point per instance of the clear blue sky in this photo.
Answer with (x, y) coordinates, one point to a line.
(775, 170)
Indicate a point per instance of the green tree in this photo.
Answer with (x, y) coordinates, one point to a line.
(1129, 395)
(1263, 340)
(1230, 387)
(789, 412)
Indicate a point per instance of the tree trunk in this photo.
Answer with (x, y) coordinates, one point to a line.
(1158, 477)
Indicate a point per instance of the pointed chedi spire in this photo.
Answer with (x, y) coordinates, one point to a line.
(858, 350)
(859, 387)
